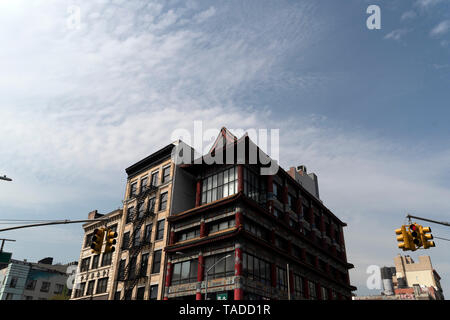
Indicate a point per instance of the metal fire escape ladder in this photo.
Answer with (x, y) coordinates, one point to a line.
(133, 248)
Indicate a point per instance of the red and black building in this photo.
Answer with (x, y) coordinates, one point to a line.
(240, 235)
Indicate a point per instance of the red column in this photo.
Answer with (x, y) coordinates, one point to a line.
(273, 270)
(289, 247)
(238, 290)
(240, 178)
(318, 291)
(305, 288)
(200, 271)
(172, 238)
(168, 280)
(291, 282)
(198, 193)
(238, 218)
(202, 229)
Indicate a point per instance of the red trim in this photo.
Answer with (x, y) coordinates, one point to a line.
(198, 193)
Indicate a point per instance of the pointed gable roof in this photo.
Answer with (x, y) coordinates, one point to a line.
(225, 137)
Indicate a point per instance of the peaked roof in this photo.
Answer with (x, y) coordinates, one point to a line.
(225, 137)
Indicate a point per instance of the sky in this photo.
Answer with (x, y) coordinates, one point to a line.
(88, 88)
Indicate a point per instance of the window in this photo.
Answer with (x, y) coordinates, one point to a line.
(166, 174)
(160, 230)
(189, 234)
(140, 293)
(136, 237)
(223, 268)
(185, 272)
(163, 201)
(281, 243)
(13, 282)
(45, 287)
(325, 294)
(222, 225)
(291, 202)
(28, 298)
(102, 285)
(277, 192)
(121, 271)
(154, 181)
(117, 295)
(256, 268)
(254, 186)
(151, 205)
(128, 294)
(278, 213)
(257, 230)
(298, 285)
(281, 279)
(156, 261)
(144, 182)
(9, 296)
(132, 269)
(80, 291)
(153, 292)
(85, 264)
(312, 290)
(144, 264)
(310, 259)
(133, 189)
(106, 259)
(126, 240)
(95, 260)
(219, 185)
(148, 233)
(140, 209)
(31, 284)
(129, 215)
(88, 240)
(59, 288)
(90, 288)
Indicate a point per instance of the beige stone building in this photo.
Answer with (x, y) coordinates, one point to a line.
(95, 271)
(140, 261)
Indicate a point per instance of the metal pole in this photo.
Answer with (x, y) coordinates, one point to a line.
(288, 286)
(207, 271)
(429, 220)
(3, 243)
(51, 223)
(5, 178)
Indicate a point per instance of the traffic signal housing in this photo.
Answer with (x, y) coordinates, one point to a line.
(425, 234)
(97, 240)
(415, 232)
(405, 239)
(110, 240)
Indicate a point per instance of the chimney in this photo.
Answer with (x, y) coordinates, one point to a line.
(94, 214)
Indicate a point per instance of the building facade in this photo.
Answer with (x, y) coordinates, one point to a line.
(22, 280)
(238, 234)
(95, 279)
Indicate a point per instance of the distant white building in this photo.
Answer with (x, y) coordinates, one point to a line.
(22, 280)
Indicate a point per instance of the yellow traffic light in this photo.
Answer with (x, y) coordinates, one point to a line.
(414, 230)
(110, 241)
(405, 239)
(97, 240)
(425, 237)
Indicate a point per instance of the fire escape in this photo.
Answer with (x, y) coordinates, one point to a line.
(129, 275)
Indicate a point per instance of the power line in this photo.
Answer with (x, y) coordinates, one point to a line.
(441, 238)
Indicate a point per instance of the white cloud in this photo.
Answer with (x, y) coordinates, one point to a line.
(441, 29)
(427, 3)
(408, 15)
(396, 34)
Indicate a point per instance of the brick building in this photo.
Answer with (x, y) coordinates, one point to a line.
(258, 235)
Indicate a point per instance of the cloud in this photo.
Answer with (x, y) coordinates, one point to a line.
(408, 15)
(440, 29)
(396, 34)
(427, 3)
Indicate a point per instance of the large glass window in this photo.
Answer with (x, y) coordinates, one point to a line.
(163, 201)
(256, 268)
(222, 225)
(312, 290)
(219, 185)
(107, 259)
(153, 292)
(156, 262)
(254, 186)
(298, 285)
(102, 284)
(223, 268)
(281, 279)
(257, 230)
(189, 234)
(95, 261)
(185, 272)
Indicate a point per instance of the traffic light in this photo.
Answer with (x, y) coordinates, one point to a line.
(97, 240)
(414, 230)
(404, 238)
(425, 237)
(110, 241)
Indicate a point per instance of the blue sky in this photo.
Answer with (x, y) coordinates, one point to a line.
(367, 110)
